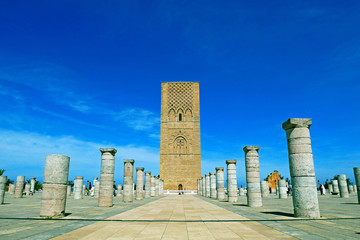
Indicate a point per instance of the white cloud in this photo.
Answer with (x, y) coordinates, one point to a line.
(23, 153)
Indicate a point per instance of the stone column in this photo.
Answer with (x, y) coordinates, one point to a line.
(330, 188)
(241, 191)
(152, 186)
(335, 185)
(231, 180)
(203, 186)
(106, 190)
(3, 180)
(119, 189)
(83, 190)
(212, 185)
(264, 189)
(207, 185)
(11, 188)
(56, 173)
(139, 183)
(220, 191)
(128, 180)
(161, 189)
(351, 189)
(97, 189)
(19, 187)
(27, 189)
(147, 184)
(32, 185)
(78, 182)
(156, 186)
(198, 187)
(282, 189)
(344, 193)
(68, 190)
(253, 176)
(302, 172)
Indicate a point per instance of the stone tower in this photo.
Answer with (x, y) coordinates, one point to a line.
(180, 157)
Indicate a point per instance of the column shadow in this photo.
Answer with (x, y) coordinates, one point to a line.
(280, 213)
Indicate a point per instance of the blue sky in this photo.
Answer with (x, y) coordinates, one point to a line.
(79, 75)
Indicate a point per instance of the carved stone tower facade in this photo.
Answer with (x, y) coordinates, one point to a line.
(180, 154)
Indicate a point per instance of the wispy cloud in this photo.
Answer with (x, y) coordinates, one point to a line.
(9, 92)
(137, 118)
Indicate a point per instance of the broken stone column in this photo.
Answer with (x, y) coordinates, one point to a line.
(32, 185)
(351, 189)
(220, 191)
(330, 188)
(97, 189)
(357, 181)
(119, 190)
(231, 181)
(344, 193)
(56, 173)
(264, 189)
(27, 189)
(241, 191)
(19, 187)
(78, 183)
(302, 172)
(3, 180)
(147, 184)
(203, 186)
(139, 183)
(68, 190)
(156, 186)
(207, 185)
(152, 188)
(253, 176)
(128, 180)
(282, 189)
(83, 190)
(212, 185)
(11, 188)
(335, 186)
(106, 191)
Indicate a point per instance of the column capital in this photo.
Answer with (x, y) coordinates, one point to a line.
(212, 173)
(109, 150)
(147, 172)
(140, 169)
(129, 160)
(251, 148)
(297, 123)
(207, 174)
(232, 161)
(79, 177)
(219, 168)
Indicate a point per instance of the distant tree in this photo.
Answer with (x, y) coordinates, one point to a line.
(281, 177)
(9, 181)
(326, 185)
(38, 185)
(349, 182)
(28, 181)
(2, 171)
(71, 183)
(287, 180)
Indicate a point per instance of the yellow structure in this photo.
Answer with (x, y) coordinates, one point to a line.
(273, 179)
(180, 154)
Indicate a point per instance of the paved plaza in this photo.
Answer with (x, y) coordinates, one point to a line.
(179, 217)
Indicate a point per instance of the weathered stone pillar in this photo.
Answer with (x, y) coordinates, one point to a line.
(83, 190)
(264, 189)
(212, 185)
(231, 180)
(106, 190)
(152, 186)
(139, 183)
(302, 172)
(344, 193)
(156, 186)
(19, 187)
(220, 191)
(128, 180)
(207, 185)
(351, 189)
(282, 189)
(241, 191)
(198, 187)
(97, 189)
(11, 188)
(253, 176)
(3, 180)
(203, 186)
(78, 182)
(330, 188)
(335, 186)
(147, 184)
(68, 190)
(56, 173)
(119, 190)
(27, 189)
(32, 185)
